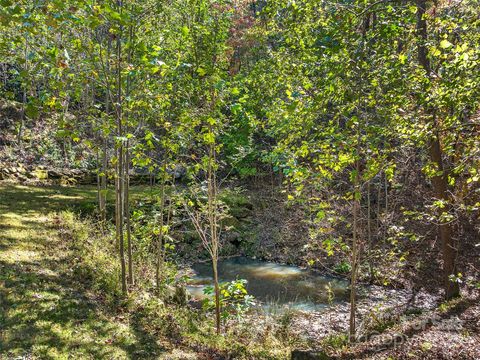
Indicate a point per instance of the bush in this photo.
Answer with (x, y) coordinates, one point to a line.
(234, 299)
(343, 267)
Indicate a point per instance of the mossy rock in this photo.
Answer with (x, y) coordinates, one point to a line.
(40, 174)
(176, 294)
(66, 181)
(239, 205)
(231, 222)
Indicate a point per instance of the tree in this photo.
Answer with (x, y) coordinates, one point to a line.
(439, 179)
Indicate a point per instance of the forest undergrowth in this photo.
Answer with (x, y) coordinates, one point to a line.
(60, 297)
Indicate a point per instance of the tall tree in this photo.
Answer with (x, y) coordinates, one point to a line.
(120, 159)
(439, 179)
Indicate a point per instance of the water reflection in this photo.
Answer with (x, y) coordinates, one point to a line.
(273, 283)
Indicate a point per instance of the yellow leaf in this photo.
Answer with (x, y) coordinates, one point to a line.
(445, 44)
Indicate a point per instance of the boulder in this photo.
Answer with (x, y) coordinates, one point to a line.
(234, 237)
(67, 181)
(177, 294)
(40, 174)
(20, 169)
(54, 174)
(87, 178)
(22, 177)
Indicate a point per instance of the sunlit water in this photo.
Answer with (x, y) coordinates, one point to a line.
(273, 284)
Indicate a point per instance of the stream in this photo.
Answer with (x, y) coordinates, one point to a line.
(273, 285)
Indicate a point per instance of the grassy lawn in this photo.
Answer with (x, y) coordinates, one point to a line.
(45, 310)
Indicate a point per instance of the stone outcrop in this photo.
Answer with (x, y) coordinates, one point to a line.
(24, 174)
(21, 173)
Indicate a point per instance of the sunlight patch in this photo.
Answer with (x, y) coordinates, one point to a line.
(16, 255)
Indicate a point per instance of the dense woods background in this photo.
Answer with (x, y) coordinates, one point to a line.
(342, 136)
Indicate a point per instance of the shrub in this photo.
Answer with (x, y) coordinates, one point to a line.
(234, 299)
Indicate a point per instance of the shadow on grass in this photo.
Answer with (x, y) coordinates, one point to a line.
(47, 314)
(45, 309)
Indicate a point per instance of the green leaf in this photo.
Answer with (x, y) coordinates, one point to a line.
(445, 44)
(209, 138)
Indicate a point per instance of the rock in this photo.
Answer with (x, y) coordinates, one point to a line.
(87, 178)
(309, 355)
(67, 181)
(178, 172)
(10, 110)
(21, 170)
(177, 294)
(21, 177)
(231, 222)
(234, 237)
(195, 304)
(55, 174)
(40, 174)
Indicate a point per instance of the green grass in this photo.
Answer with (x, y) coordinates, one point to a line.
(59, 296)
(45, 309)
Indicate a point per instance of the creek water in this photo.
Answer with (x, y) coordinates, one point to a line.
(273, 284)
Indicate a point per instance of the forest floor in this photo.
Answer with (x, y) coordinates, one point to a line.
(45, 310)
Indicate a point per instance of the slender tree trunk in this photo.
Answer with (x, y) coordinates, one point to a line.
(120, 159)
(99, 193)
(169, 215)
(385, 180)
(354, 261)
(217, 293)
(369, 230)
(127, 170)
(212, 213)
(22, 118)
(24, 100)
(103, 176)
(439, 180)
(131, 279)
(161, 245)
(103, 183)
(379, 195)
(100, 165)
(151, 176)
(104, 167)
(119, 218)
(449, 251)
